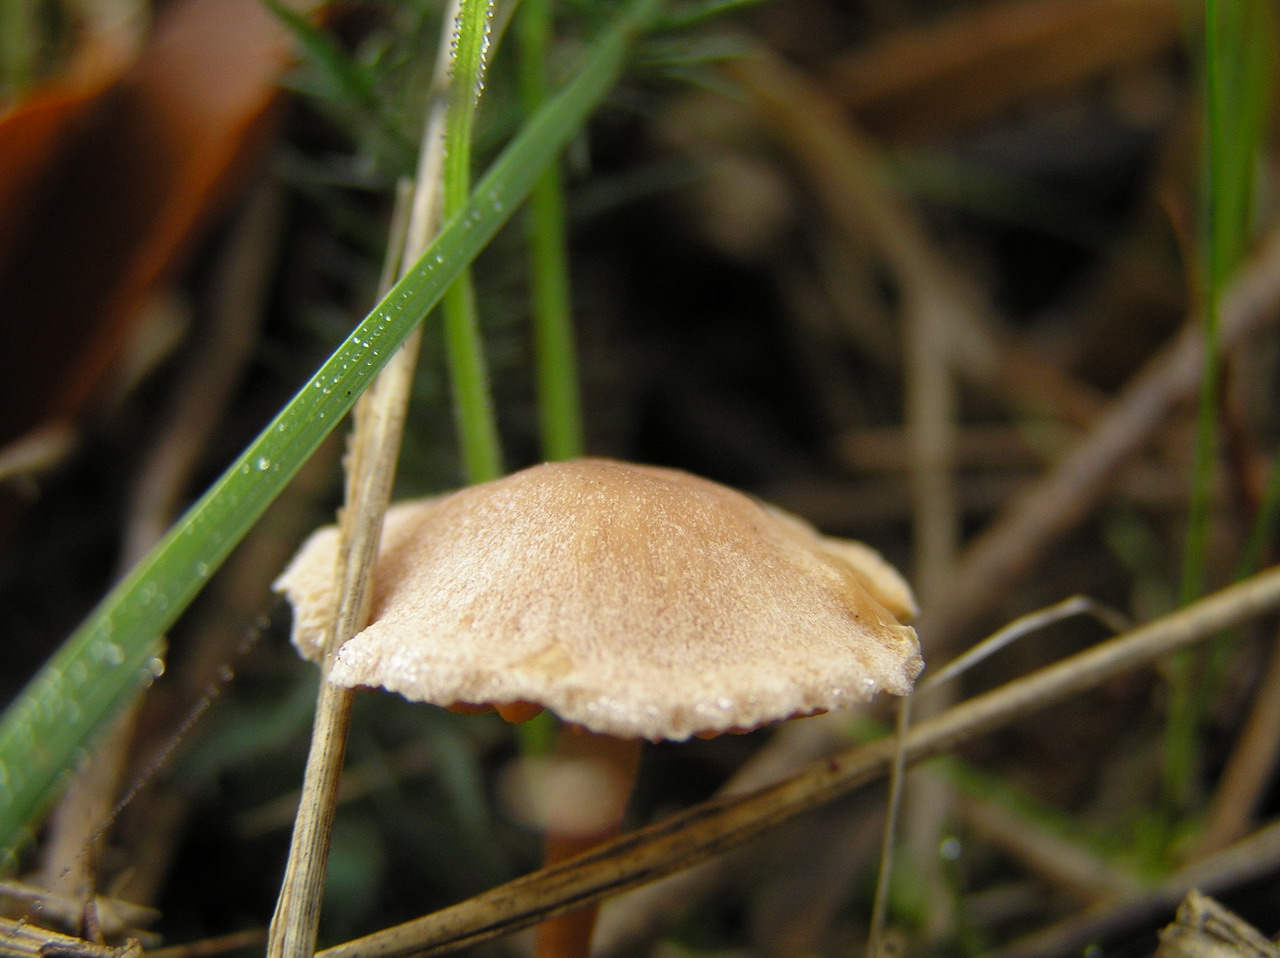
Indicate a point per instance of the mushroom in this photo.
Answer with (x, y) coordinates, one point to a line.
(634, 602)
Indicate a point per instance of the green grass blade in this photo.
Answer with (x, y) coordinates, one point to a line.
(476, 421)
(559, 400)
(83, 685)
(469, 372)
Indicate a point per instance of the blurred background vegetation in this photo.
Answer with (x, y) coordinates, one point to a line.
(916, 270)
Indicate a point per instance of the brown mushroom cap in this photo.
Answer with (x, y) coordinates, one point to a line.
(633, 600)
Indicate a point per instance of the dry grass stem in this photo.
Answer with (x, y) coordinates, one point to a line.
(22, 940)
(207, 947)
(1250, 858)
(713, 827)
(883, 449)
(115, 916)
(1249, 768)
(375, 445)
(77, 824)
(1023, 626)
(375, 448)
(37, 452)
(227, 339)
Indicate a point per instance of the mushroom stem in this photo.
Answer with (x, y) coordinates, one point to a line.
(581, 818)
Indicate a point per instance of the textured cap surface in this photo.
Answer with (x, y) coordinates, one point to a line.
(633, 600)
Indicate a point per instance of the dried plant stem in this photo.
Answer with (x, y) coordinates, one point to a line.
(1249, 768)
(931, 415)
(83, 814)
(884, 874)
(226, 339)
(375, 447)
(1020, 628)
(23, 940)
(713, 827)
(295, 923)
(210, 947)
(930, 79)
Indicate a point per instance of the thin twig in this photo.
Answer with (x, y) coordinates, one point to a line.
(115, 916)
(884, 874)
(1023, 626)
(1205, 929)
(220, 354)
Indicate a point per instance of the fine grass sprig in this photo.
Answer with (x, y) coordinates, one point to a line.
(353, 89)
(1236, 68)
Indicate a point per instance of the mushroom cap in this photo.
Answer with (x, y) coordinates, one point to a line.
(633, 600)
